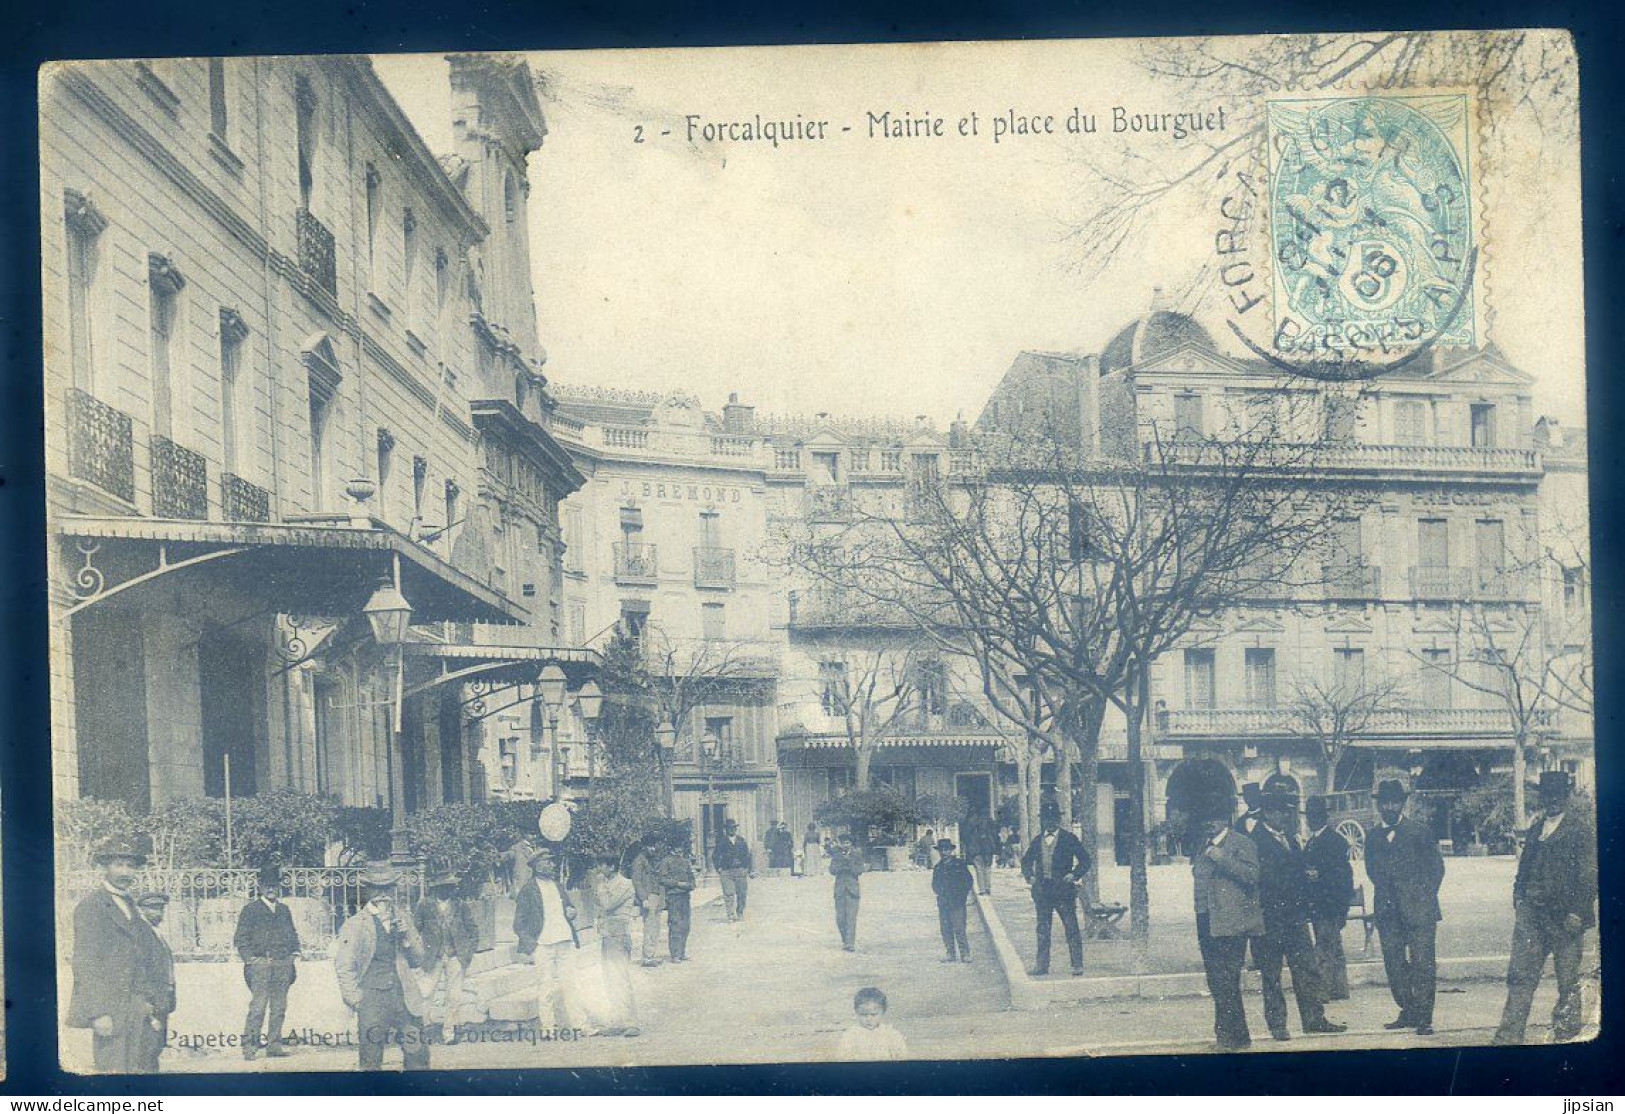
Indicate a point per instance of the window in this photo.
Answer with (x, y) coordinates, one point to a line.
(1188, 416)
(1078, 541)
(931, 679)
(386, 469)
(926, 468)
(713, 622)
(891, 461)
(454, 511)
(510, 198)
(721, 728)
(1340, 418)
(442, 279)
(578, 622)
(1435, 686)
(1347, 547)
(840, 781)
(375, 211)
(1410, 424)
(1199, 678)
(219, 117)
(858, 460)
(409, 259)
(1348, 670)
(84, 229)
(574, 541)
(1433, 543)
(164, 286)
(710, 530)
(1260, 669)
(232, 334)
(634, 618)
(826, 466)
(1574, 589)
(1490, 535)
(305, 139)
(321, 405)
(832, 692)
(900, 779)
(1483, 425)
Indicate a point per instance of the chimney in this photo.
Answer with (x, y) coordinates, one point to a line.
(737, 417)
(1159, 300)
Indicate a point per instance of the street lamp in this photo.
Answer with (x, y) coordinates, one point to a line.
(666, 739)
(389, 615)
(590, 702)
(552, 686)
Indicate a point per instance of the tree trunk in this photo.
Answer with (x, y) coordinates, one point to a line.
(1519, 820)
(1088, 744)
(1022, 832)
(1035, 793)
(860, 779)
(1139, 890)
(1063, 783)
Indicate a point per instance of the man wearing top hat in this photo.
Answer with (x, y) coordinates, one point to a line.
(1283, 895)
(951, 882)
(1054, 864)
(267, 943)
(1331, 887)
(159, 980)
(450, 938)
(112, 953)
(1553, 899)
(374, 957)
(1406, 870)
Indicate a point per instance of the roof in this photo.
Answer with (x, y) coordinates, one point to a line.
(1148, 337)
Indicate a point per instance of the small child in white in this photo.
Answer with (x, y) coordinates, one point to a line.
(871, 1038)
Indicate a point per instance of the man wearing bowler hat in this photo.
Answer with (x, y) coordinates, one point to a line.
(1283, 894)
(1553, 900)
(266, 942)
(544, 923)
(111, 957)
(951, 882)
(374, 959)
(1224, 876)
(159, 988)
(1251, 798)
(450, 938)
(1406, 870)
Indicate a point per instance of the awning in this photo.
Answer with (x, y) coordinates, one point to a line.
(299, 569)
(499, 666)
(841, 742)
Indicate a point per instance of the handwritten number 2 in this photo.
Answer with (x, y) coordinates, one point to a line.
(637, 133)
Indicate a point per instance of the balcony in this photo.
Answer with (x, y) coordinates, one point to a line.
(1284, 721)
(622, 437)
(180, 481)
(1440, 582)
(316, 253)
(1501, 585)
(1451, 459)
(241, 501)
(1354, 582)
(636, 563)
(786, 460)
(101, 445)
(829, 504)
(713, 567)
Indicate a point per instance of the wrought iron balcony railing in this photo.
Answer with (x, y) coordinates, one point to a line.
(317, 257)
(1287, 721)
(1500, 585)
(241, 501)
(1440, 582)
(101, 445)
(180, 481)
(713, 567)
(636, 563)
(1354, 582)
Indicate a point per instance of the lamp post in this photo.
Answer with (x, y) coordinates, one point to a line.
(553, 685)
(590, 701)
(389, 614)
(709, 745)
(666, 738)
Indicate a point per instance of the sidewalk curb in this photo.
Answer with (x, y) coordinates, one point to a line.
(1027, 992)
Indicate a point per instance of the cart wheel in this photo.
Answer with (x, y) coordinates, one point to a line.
(1351, 831)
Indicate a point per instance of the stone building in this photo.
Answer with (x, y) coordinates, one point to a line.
(265, 401)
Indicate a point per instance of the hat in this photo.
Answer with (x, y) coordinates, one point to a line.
(120, 847)
(1280, 783)
(1278, 799)
(1250, 794)
(1556, 784)
(1390, 791)
(152, 899)
(1316, 806)
(542, 856)
(945, 845)
(378, 878)
(445, 878)
(269, 877)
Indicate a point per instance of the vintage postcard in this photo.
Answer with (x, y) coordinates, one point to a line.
(705, 556)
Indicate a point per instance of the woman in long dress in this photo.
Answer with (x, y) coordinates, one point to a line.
(613, 899)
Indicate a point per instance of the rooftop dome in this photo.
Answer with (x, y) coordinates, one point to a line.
(1148, 337)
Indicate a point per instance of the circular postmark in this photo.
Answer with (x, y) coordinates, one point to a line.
(1365, 259)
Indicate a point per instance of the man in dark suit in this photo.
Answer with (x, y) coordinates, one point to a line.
(1225, 883)
(1331, 887)
(450, 939)
(732, 859)
(1283, 892)
(1406, 870)
(267, 943)
(1554, 899)
(159, 981)
(981, 841)
(111, 953)
(951, 882)
(1248, 820)
(1054, 864)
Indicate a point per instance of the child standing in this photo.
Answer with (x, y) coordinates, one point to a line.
(951, 880)
(871, 1038)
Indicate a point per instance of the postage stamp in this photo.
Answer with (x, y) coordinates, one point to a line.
(1371, 221)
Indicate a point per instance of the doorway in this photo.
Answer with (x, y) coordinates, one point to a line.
(976, 790)
(712, 817)
(231, 676)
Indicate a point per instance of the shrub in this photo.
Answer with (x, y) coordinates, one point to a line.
(467, 838)
(941, 810)
(84, 823)
(364, 831)
(874, 815)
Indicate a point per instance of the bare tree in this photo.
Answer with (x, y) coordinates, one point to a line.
(1335, 713)
(874, 693)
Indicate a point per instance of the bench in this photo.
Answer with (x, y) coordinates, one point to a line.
(1364, 916)
(1100, 921)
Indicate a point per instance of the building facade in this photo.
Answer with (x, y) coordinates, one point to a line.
(265, 401)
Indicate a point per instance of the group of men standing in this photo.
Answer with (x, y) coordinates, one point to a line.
(1257, 887)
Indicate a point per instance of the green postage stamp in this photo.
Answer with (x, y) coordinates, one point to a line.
(1371, 220)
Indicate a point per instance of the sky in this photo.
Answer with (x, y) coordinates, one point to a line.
(897, 276)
